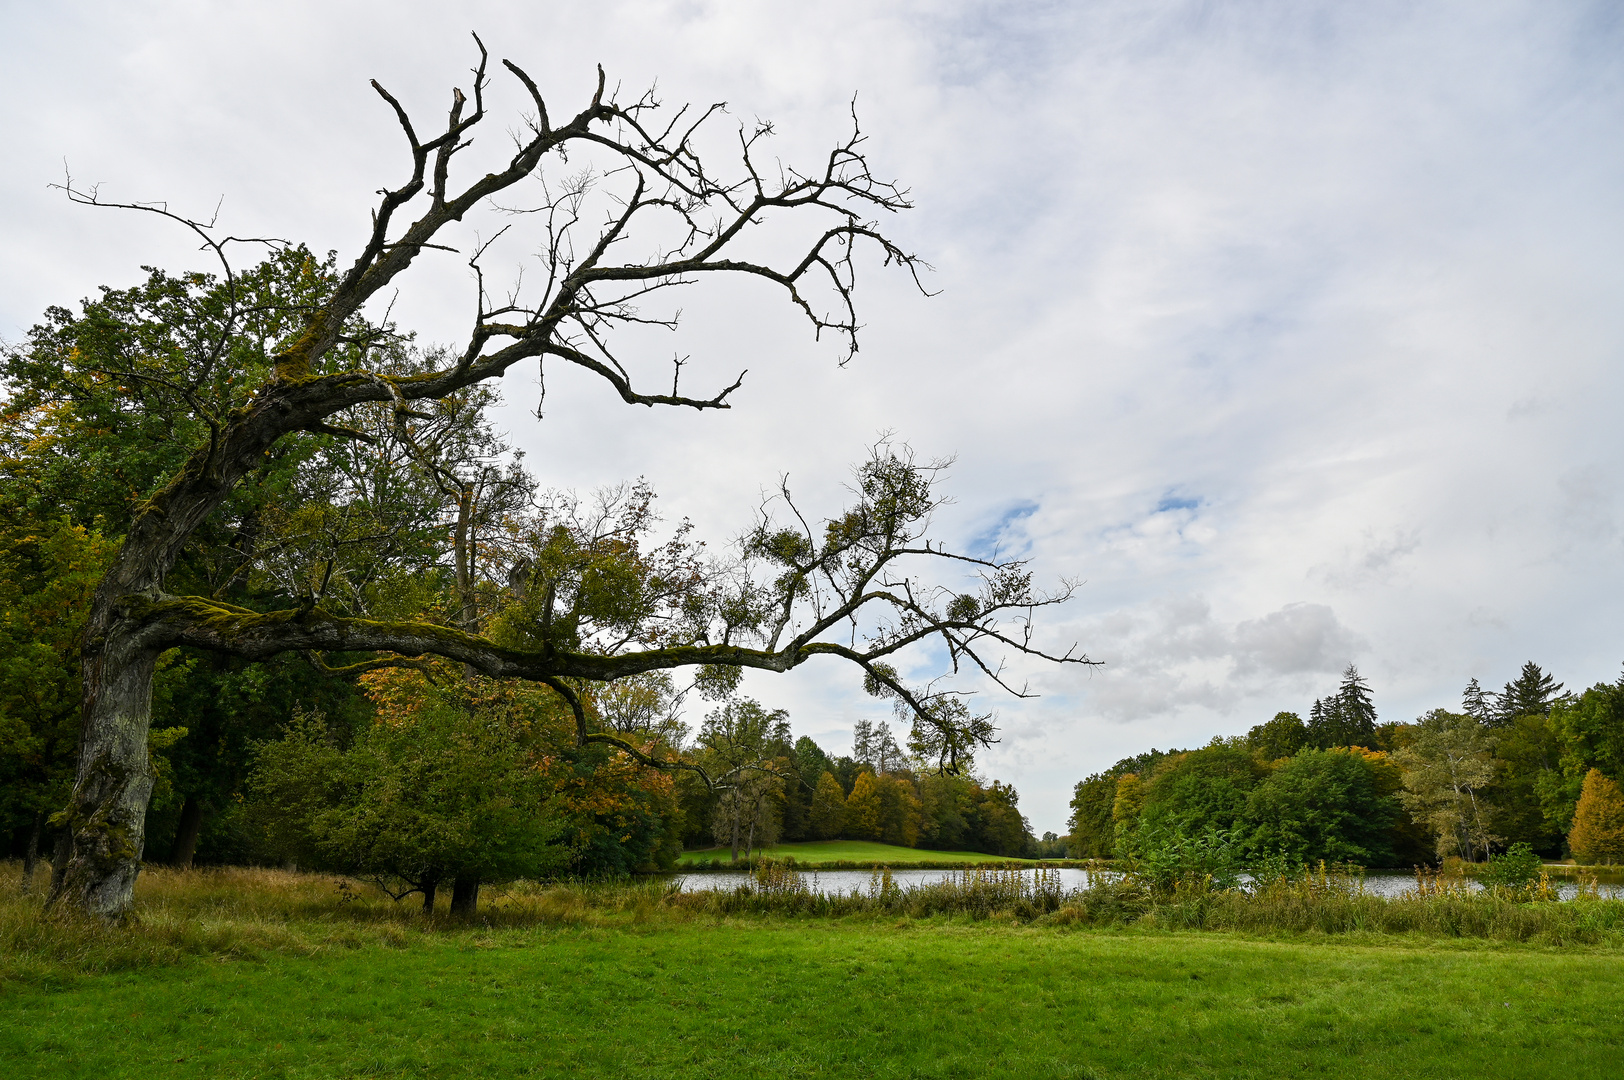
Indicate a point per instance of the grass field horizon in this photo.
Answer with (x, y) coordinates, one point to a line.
(812, 852)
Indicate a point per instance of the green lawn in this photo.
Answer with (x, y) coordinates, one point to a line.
(817, 851)
(776, 998)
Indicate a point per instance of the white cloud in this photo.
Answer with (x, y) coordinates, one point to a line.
(1336, 283)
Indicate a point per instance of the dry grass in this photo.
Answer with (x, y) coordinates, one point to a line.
(248, 913)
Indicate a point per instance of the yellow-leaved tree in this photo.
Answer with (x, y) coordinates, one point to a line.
(828, 814)
(1598, 821)
(863, 819)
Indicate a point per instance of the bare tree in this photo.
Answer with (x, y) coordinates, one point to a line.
(641, 214)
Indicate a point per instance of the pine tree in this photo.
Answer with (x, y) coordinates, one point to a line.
(887, 755)
(1346, 718)
(1476, 704)
(1598, 821)
(1356, 713)
(1531, 695)
(863, 743)
(1322, 724)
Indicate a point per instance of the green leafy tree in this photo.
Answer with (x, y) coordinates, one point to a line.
(1091, 831)
(1280, 737)
(1203, 789)
(1446, 769)
(747, 746)
(1527, 755)
(900, 810)
(1004, 830)
(425, 798)
(1324, 804)
(46, 578)
(1589, 732)
(947, 811)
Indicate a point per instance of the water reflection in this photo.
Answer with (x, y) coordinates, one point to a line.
(1390, 884)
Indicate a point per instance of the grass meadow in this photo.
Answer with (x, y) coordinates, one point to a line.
(262, 973)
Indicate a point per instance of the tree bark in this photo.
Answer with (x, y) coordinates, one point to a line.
(106, 824)
(430, 886)
(59, 860)
(464, 894)
(31, 855)
(750, 844)
(735, 830)
(186, 833)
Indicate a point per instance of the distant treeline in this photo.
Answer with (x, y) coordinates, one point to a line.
(1530, 765)
(878, 792)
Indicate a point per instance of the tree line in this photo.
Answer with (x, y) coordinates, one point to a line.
(1532, 768)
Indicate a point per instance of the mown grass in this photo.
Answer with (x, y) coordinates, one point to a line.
(238, 973)
(820, 853)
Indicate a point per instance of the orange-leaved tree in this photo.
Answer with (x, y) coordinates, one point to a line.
(1597, 835)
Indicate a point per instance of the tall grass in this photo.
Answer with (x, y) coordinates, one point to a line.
(242, 913)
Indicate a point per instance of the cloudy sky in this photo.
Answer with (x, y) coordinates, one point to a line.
(1293, 330)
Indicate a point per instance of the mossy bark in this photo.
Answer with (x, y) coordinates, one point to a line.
(106, 815)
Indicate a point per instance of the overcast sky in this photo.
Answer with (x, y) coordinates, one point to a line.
(1293, 330)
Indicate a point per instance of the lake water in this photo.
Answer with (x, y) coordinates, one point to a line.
(831, 882)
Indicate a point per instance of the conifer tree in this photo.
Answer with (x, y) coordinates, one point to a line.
(1356, 713)
(1476, 704)
(1346, 718)
(1530, 695)
(1598, 821)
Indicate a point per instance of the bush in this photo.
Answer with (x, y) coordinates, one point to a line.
(1518, 868)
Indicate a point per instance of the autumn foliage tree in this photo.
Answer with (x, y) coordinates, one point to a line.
(1598, 821)
(828, 815)
(239, 376)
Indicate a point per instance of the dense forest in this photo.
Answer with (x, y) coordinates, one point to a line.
(1532, 765)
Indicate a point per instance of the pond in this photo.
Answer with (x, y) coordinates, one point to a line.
(1387, 883)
